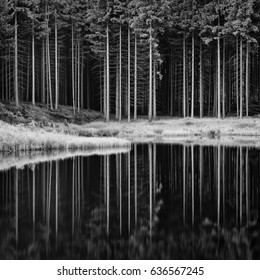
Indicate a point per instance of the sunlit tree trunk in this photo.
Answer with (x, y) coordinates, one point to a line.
(192, 76)
(201, 80)
(56, 63)
(150, 74)
(120, 73)
(43, 70)
(237, 72)
(135, 80)
(184, 76)
(247, 76)
(16, 87)
(107, 75)
(154, 90)
(224, 80)
(241, 78)
(33, 67)
(72, 67)
(78, 75)
(129, 76)
(219, 80)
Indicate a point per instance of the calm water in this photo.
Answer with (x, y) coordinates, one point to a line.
(158, 201)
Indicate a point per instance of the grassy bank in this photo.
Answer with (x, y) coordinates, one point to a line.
(18, 138)
(36, 128)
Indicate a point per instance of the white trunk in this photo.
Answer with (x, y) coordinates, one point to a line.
(135, 81)
(107, 72)
(150, 73)
(129, 77)
(56, 64)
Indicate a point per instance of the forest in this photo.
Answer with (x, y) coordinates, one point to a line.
(182, 58)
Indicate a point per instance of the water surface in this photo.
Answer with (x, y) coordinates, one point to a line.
(157, 201)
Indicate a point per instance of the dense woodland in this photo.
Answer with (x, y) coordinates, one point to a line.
(129, 58)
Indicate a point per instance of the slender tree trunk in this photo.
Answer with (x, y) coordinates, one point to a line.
(150, 74)
(154, 90)
(33, 67)
(129, 77)
(72, 66)
(241, 78)
(201, 80)
(237, 71)
(108, 76)
(247, 76)
(16, 88)
(43, 71)
(120, 74)
(56, 64)
(224, 80)
(219, 81)
(135, 80)
(184, 76)
(192, 76)
(78, 75)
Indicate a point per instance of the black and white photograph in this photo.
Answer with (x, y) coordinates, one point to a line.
(130, 130)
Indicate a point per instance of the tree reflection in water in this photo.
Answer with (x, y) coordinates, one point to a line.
(158, 201)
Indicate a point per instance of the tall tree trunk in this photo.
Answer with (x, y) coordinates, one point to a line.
(224, 80)
(154, 90)
(72, 66)
(192, 76)
(241, 78)
(129, 76)
(56, 64)
(150, 73)
(43, 70)
(107, 75)
(120, 74)
(237, 71)
(78, 75)
(247, 76)
(184, 76)
(33, 67)
(16, 88)
(201, 80)
(135, 80)
(219, 81)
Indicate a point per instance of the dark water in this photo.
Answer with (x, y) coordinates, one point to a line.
(156, 202)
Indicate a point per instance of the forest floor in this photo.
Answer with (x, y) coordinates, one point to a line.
(36, 128)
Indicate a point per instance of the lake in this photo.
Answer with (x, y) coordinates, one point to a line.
(157, 201)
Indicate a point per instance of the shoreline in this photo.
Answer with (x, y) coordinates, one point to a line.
(18, 138)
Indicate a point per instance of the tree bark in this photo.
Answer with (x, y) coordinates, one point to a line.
(16, 88)
(192, 76)
(241, 78)
(150, 73)
(247, 76)
(33, 67)
(72, 66)
(201, 80)
(184, 76)
(107, 75)
(129, 77)
(135, 80)
(219, 81)
(56, 64)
